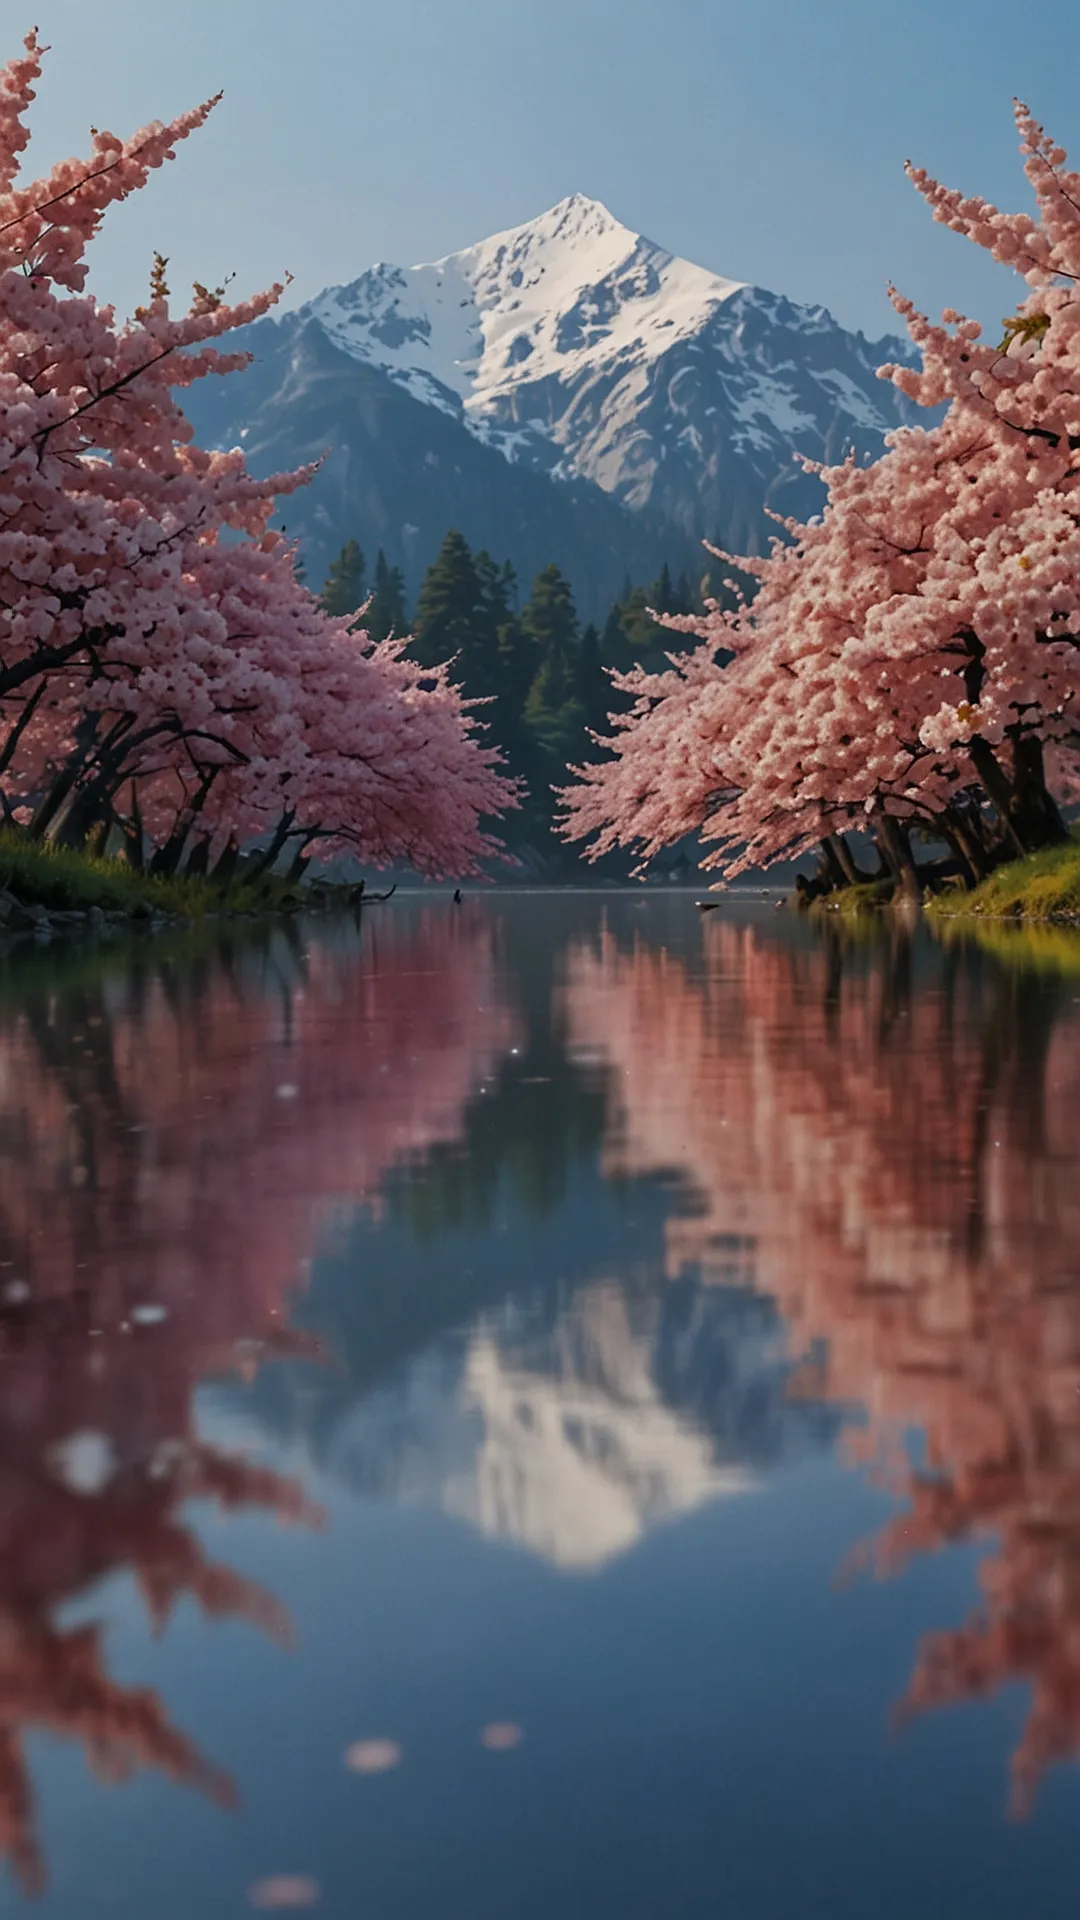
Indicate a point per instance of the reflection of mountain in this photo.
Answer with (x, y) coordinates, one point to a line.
(575, 1436)
(566, 1415)
(483, 1360)
(893, 1131)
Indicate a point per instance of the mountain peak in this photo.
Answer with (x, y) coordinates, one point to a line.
(572, 219)
(573, 344)
(571, 288)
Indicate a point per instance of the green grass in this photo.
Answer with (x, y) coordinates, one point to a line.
(1044, 886)
(853, 903)
(61, 880)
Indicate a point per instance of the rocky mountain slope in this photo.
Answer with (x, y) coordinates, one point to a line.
(398, 473)
(565, 390)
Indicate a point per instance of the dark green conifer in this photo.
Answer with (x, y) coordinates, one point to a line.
(386, 614)
(554, 715)
(594, 689)
(449, 617)
(345, 589)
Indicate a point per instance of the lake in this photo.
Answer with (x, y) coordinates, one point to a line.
(561, 1407)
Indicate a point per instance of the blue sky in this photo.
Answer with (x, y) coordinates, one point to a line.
(764, 139)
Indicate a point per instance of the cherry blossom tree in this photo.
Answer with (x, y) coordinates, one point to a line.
(154, 635)
(910, 659)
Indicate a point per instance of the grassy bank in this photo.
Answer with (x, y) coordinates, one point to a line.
(1045, 886)
(40, 884)
(854, 903)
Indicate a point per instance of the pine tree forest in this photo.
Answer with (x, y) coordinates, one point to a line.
(540, 678)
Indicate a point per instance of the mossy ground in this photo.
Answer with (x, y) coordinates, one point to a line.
(1044, 886)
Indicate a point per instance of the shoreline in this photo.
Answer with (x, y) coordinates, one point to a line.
(1043, 889)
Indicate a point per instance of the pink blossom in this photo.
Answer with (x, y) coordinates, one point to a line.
(913, 653)
(144, 647)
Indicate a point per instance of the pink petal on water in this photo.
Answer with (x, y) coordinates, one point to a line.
(501, 1736)
(282, 1890)
(373, 1756)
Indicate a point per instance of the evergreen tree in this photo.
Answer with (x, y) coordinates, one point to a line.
(594, 689)
(630, 632)
(632, 636)
(345, 590)
(554, 717)
(511, 652)
(386, 614)
(450, 617)
(550, 617)
(661, 595)
(554, 714)
(614, 645)
(497, 591)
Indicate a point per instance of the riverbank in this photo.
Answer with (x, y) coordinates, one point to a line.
(47, 891)
(1044, 886)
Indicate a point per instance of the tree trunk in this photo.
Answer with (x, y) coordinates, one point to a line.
(266, 860)
(892, 838)
(133, 833)
(98, 840)
(224, 869)
(166, 858)
(1034, 808)
(1028, 813)
(831, 867)
(839, 848)
(199, 857)
(51, 802)
(966, 845)
(88, 811)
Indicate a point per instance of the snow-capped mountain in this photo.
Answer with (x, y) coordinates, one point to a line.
(573, 344)
(566, 390)
(553, 301)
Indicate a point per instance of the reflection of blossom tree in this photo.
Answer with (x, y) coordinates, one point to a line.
(84, 1491)
(155, 1129)
(169, 1142)
(55, 1542)
(898, 1168)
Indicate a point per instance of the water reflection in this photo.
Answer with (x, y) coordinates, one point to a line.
(560, 1233)
(882, 1136)
(513, 1353)
(572, 1429)
(176, 1134)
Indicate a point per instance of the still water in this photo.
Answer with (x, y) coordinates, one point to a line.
(562, 1406)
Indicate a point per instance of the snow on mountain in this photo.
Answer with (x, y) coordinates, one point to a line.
(580, 347)
(564, 391)
(553, 298)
